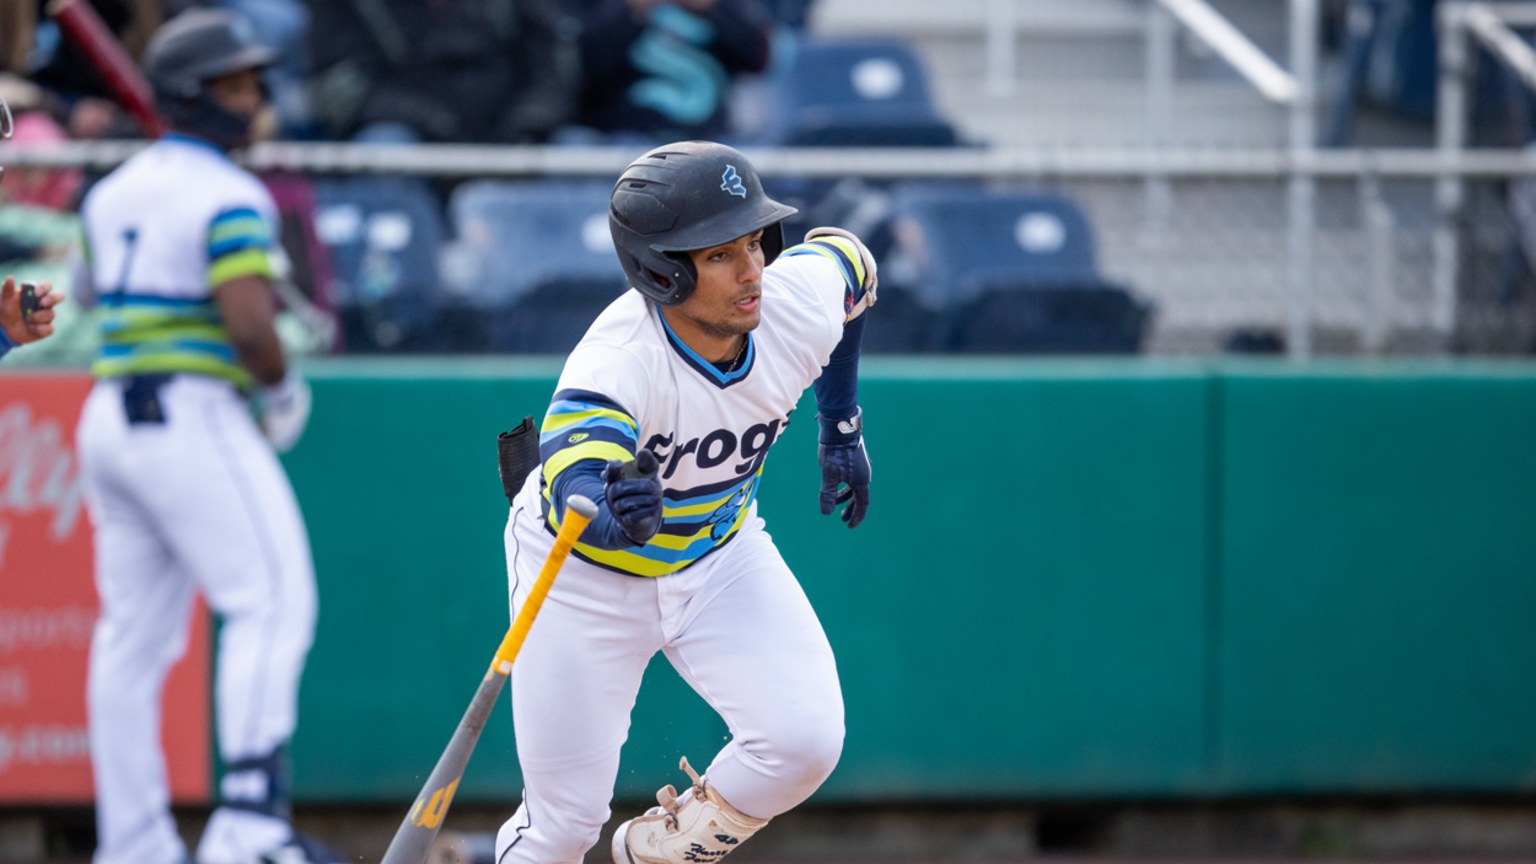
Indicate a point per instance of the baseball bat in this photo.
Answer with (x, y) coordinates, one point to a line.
(413, 840)
(84, 29)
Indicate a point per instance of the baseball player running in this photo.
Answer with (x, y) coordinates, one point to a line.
(664, 414)
(185, 493)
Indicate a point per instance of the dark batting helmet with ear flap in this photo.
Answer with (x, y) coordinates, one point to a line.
(190, 50)
(686, 196)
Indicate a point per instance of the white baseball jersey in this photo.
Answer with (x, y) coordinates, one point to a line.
(191, 500)
(723, 606)
(165, 228)
(631, 383)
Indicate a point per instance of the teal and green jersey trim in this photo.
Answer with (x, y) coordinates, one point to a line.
(143, 334)
(845, 255)
(147, 333)
(239, 241)
(582, 425)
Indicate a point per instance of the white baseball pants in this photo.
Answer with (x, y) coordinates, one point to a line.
(736, 626)
(199, 503)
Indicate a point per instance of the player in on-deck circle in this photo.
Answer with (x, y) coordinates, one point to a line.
(184, 487)
(26, 312)
(663, 415)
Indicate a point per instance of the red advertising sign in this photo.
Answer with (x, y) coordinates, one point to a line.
(48, 609)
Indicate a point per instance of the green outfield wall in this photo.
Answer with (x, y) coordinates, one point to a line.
(1095, 579)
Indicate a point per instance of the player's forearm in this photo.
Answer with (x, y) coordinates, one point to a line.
(245, 304)
(262, 356)
(837, 390)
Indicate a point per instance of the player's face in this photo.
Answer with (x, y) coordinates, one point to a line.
(239, 93)
(728, 300)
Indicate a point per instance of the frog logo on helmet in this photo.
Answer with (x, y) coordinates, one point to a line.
(730, 181)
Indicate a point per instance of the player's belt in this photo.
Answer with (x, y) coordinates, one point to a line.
(141, 397)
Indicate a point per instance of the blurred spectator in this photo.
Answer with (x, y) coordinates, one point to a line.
(37, 49)
(17, 23)
(794, 14)
(30, 195)
(48, 188)
(493, 71)
(664, 70)
(40, 231)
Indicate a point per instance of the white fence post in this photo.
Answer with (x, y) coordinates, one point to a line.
(1162, 35)
(1302, 186)
(1450, 137)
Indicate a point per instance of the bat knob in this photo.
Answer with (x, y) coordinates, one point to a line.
(582, 505)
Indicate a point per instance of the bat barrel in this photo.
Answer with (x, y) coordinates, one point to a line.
(413, 841)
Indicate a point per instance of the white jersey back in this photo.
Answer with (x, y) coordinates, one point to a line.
(163, 230)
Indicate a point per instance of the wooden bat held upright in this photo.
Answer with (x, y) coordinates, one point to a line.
(84, 29)
(413, 841)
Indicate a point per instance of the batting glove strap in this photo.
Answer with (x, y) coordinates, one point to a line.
(844, 430)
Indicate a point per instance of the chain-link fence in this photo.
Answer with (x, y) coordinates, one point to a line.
(385, 242)
(1212, 257)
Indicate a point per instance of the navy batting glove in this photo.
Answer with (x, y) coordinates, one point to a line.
(844, 467)
(633, 494)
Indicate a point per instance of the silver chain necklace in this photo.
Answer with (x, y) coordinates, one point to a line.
(739, 355)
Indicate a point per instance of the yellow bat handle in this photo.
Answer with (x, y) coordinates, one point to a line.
(578, 512)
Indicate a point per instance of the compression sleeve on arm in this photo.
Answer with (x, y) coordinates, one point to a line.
(837, 390)
(582, 431)
(586, 478)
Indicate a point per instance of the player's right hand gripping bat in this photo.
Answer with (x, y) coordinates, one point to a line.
(413, 840)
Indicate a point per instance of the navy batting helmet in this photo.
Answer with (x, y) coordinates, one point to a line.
(686, 196)
(188, 51)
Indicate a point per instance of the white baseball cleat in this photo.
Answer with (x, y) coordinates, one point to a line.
(698, 825)
(301, 849)
(238, 837)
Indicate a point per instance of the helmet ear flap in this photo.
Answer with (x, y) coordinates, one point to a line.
(666, 277)
(773, 242)
(676, 277)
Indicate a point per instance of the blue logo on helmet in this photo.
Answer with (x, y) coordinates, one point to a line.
(730, 181)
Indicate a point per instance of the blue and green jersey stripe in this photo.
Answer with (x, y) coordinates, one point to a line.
(845, 255)
(582, 425)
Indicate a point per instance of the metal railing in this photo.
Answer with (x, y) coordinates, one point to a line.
(1296, 90)
(1492, 26)
(1447, 168)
